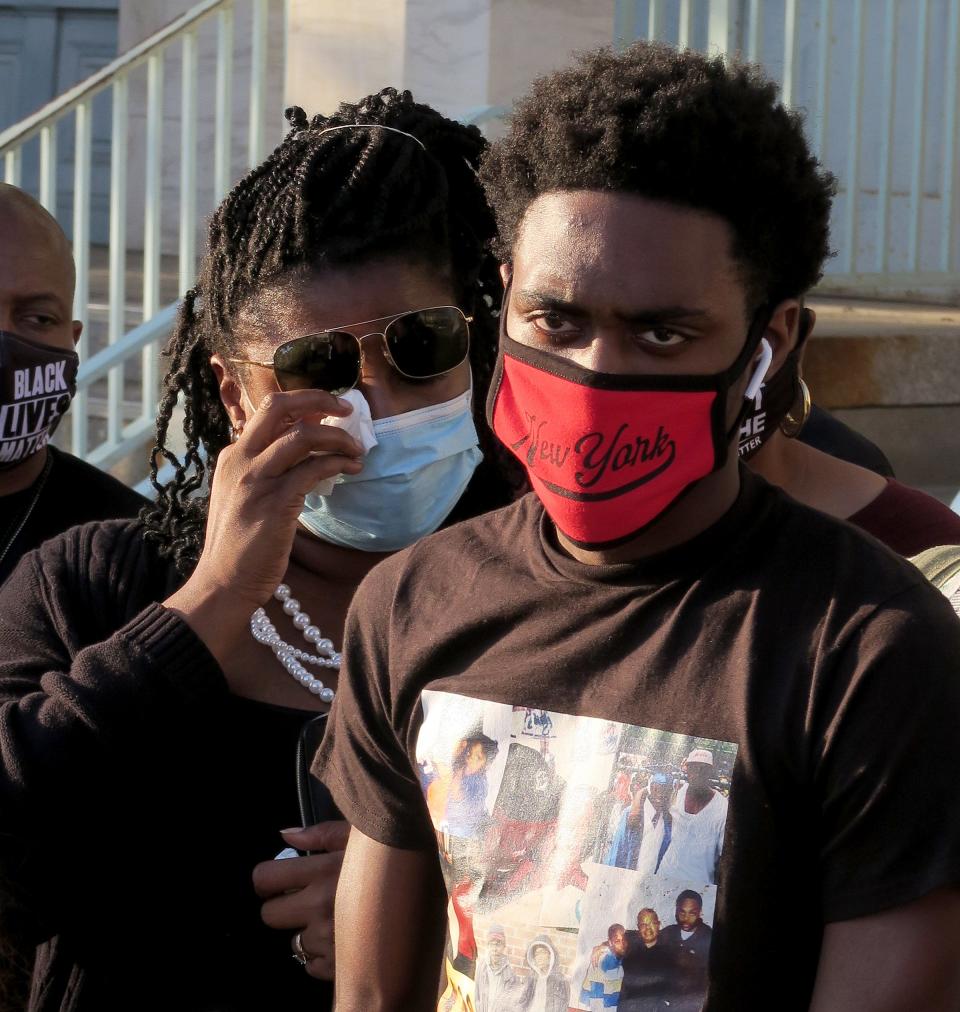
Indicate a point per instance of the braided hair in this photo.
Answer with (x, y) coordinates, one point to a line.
(333, 199)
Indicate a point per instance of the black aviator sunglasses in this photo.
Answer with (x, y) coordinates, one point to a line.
(420, 345)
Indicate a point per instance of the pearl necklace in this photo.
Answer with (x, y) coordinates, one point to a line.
(264, 631)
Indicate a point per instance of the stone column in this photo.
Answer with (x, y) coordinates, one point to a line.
(458, 55)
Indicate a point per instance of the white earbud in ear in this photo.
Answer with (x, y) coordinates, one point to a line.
(759, 374)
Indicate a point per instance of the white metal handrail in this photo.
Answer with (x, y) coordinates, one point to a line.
(128, 423)
(147, 333)
(104, 77)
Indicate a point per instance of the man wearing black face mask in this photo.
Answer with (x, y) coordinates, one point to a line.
(774, 439)
(652, 595)
(43, 491)
(782, 395)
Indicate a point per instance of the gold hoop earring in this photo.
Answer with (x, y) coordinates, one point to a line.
(791, 424)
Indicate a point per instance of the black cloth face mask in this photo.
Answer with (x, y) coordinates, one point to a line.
(776, 397)
(37, 384)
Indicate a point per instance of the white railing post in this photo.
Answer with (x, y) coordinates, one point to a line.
(722, 28)
(151, 188)
(108, 453)
(852, 217)
(152, 197)
(755, 31)
(258, 81)
(656, 20)
(887, 110)
(919, 138)
(949, 167)
(12, 163)
(224, 102)
(624, 22)
(48, 167)
(188, 161)
(823, 75)
(791, 44)
(118, 250)
(685, 27)
(83, 134)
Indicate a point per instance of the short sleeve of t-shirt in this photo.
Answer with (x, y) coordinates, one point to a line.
(362, 759)
(888, 759)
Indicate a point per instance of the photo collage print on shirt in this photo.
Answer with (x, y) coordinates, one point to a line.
(580, 856)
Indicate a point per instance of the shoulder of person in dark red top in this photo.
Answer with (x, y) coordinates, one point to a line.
(908, 520)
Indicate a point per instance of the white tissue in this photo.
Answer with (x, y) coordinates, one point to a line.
(358, 423)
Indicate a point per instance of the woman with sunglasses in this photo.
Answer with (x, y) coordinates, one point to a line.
(155, 676)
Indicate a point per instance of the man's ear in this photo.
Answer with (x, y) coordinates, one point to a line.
(506, 273)
(782, 332)
(231, 393)
(77, 331)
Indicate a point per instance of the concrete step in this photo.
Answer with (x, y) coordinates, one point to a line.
(891, 370)
(870, 354)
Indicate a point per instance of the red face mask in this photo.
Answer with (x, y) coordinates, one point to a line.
(608, 454)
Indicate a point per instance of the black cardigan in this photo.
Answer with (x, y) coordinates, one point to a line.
(137, 793)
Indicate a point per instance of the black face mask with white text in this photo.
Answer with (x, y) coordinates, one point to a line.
(37, 384)
(776, 397)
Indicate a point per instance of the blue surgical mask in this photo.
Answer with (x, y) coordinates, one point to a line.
(410, 482)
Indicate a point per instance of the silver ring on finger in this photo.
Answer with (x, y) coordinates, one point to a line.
(300, 954)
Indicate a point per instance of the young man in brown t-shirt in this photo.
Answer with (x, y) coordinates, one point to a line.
(650, 602)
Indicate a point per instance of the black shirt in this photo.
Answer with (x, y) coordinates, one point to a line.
(810, 672)
(650, 975)
(137, 793)
(825, 432)
(71, 492)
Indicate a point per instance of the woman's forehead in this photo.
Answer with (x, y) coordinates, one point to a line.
(308, 302)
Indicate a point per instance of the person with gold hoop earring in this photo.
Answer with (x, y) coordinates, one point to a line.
(903, 518)
(793, 423)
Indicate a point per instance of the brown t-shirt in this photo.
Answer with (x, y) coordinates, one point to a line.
(761, 721)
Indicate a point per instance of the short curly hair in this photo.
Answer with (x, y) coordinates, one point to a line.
(677, 126)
